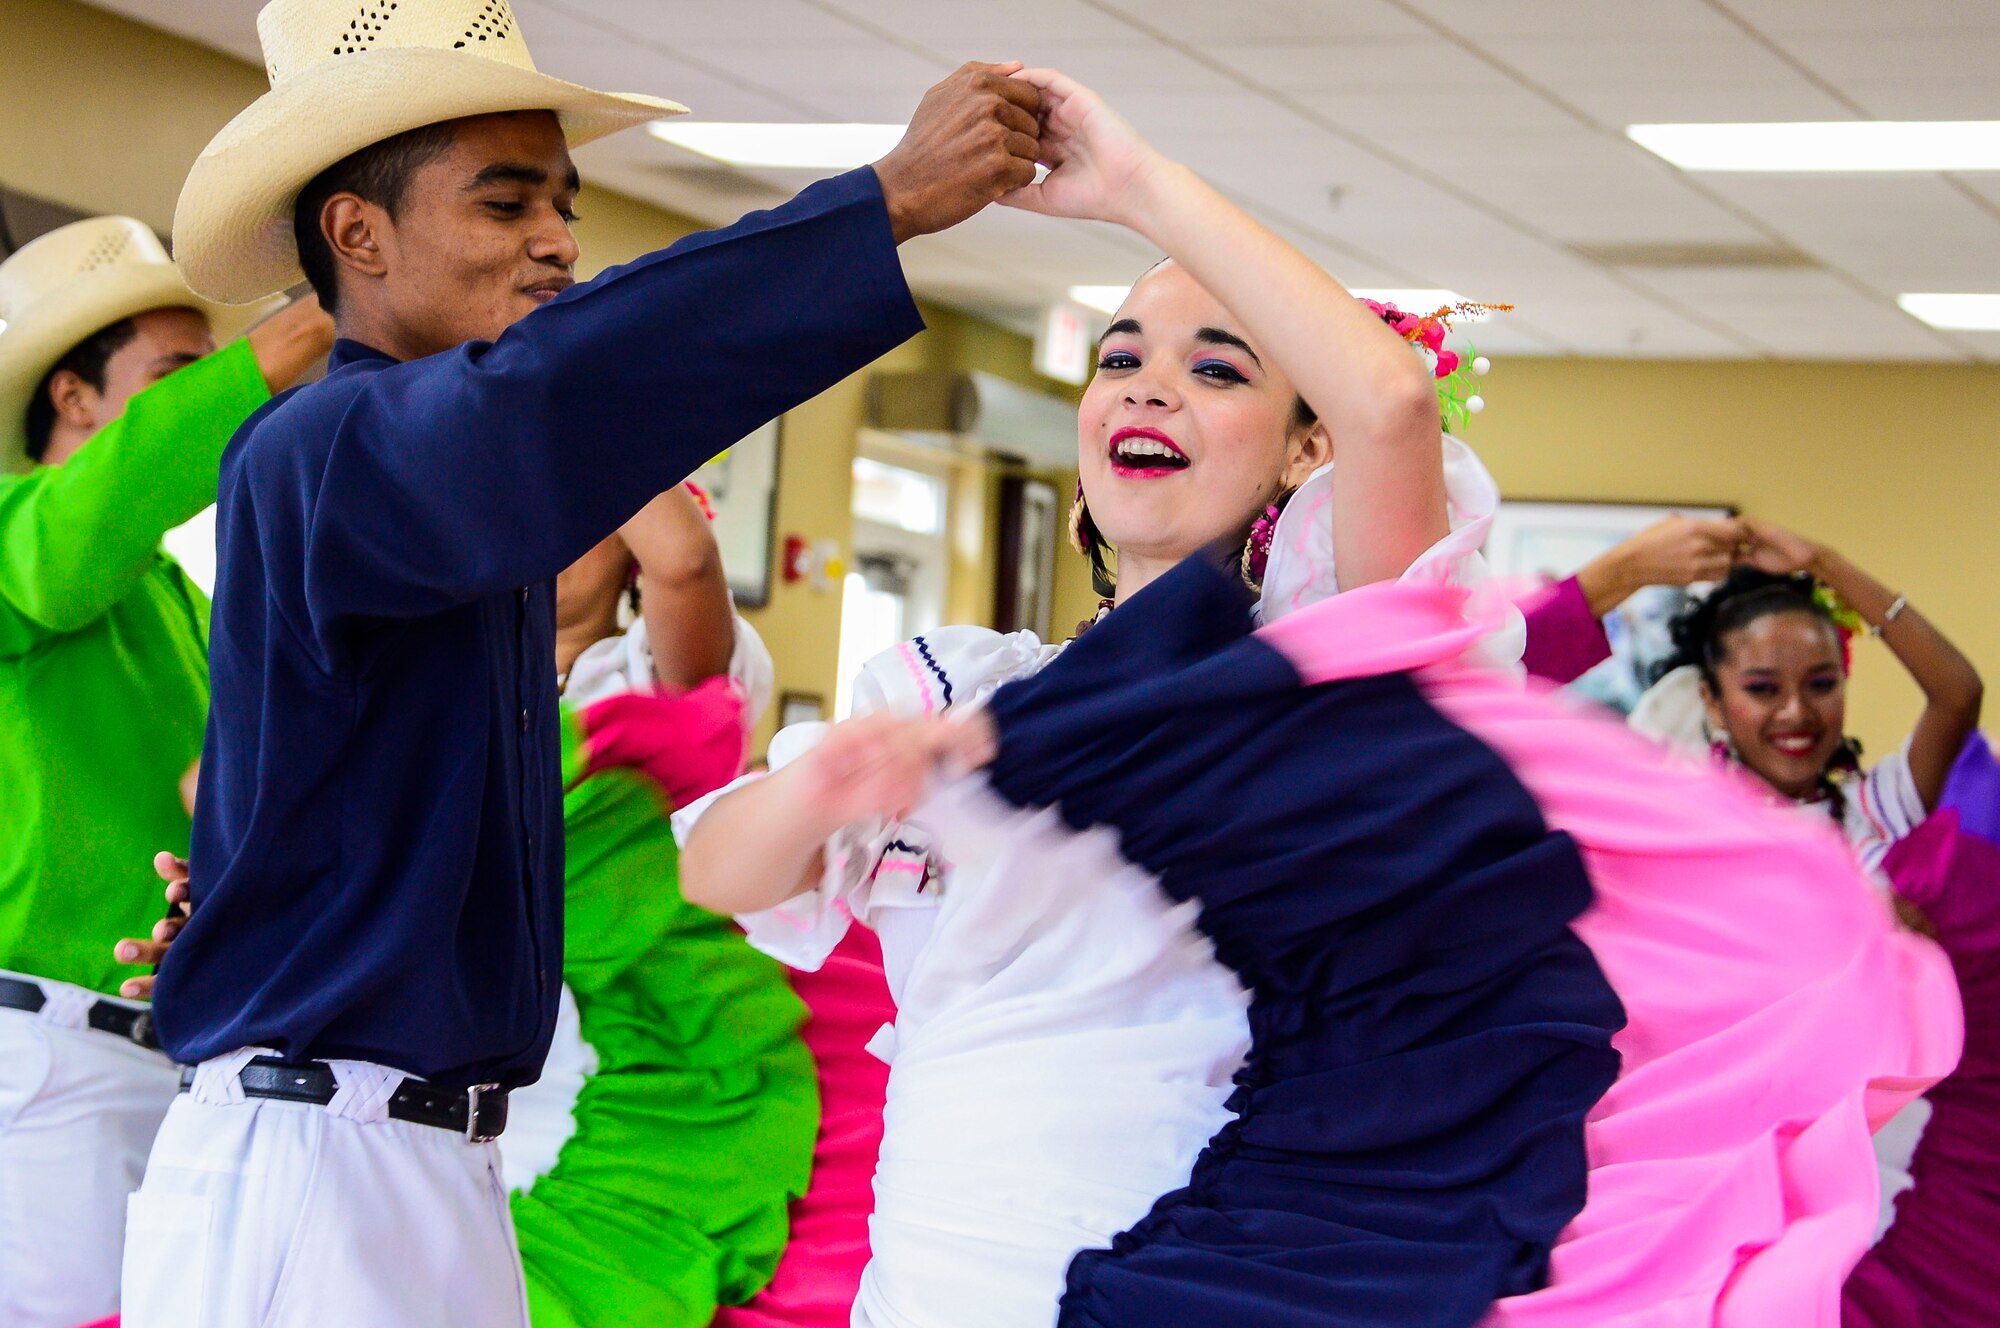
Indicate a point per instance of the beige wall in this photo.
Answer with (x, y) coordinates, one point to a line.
(105, 115)
(1898, 466)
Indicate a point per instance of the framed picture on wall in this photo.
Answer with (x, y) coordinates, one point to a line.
(742, 487)
(1552, 540)
(800, 708)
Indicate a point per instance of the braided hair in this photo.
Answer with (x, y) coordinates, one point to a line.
(1700, 633)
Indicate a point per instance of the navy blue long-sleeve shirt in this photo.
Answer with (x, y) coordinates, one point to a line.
(378, 860)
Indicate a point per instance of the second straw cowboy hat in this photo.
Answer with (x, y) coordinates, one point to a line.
(346, 74)
(71, 284)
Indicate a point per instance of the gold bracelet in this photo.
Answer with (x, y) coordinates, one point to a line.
(1896, 607)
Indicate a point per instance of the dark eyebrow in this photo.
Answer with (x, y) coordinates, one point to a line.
(519, 172)
(1215, 336)
(179, 359)
(1123, 327)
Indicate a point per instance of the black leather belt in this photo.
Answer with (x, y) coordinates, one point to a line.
(120, 1021)
(479, 1113)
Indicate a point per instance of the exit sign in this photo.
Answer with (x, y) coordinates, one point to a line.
(1062, 344)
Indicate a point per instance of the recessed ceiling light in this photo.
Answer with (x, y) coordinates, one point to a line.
(1834, 145)
(1106, 299)
(1954, 313)
(803, 147)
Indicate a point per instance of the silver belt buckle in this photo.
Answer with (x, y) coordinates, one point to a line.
(476, 1128)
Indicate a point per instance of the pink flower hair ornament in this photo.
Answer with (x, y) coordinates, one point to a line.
(1457, 388)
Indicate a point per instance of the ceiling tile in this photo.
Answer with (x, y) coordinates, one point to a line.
(1388, 67)
(1900, 56)
(1458, 143)
(1871, 18)
(1893, 233)
(862, 65)
(1726, 60)
(1928, 99)
(774, 24)
(981, 29)
(1139, 65)
(226, 25)
(1620, 19)
(1579, 187)
(1205, 23)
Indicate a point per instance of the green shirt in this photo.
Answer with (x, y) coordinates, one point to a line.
(104, 671)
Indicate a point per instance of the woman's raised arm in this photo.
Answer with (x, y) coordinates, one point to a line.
(1373, 393)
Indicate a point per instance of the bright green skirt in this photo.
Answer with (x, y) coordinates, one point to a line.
(695, 1133)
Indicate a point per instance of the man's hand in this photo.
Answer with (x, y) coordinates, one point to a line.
(174, 871)
(974, 137)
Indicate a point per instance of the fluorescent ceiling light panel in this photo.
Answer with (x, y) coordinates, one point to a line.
(1834, 145)
(1954, 313)
(804, 147)
(1104, 299)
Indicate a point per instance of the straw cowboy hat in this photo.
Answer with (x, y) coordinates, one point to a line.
(346, 74)
(74, 282)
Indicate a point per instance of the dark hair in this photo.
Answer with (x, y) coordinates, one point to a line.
(88, 360)
(380, 174)
(1745, 596)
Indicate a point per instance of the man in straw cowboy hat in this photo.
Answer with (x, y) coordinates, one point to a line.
(374, 954)
(103, 692)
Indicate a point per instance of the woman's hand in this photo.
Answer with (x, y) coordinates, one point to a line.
(762, 844)
(1676, 551)
(1097, 162)
(883, 765)
(1778, 551)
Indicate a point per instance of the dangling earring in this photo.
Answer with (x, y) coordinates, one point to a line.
(1082, 530)
(1721, 748)
(1257, 549)
(1087, 540)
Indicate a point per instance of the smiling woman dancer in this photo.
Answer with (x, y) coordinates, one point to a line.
(1763, 660)
(1295, 1011)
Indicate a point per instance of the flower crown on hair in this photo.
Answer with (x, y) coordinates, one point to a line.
(1458, 395)
(1846, 622)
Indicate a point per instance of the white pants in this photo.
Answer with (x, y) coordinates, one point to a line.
(262, 1214)
(78, 1110)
